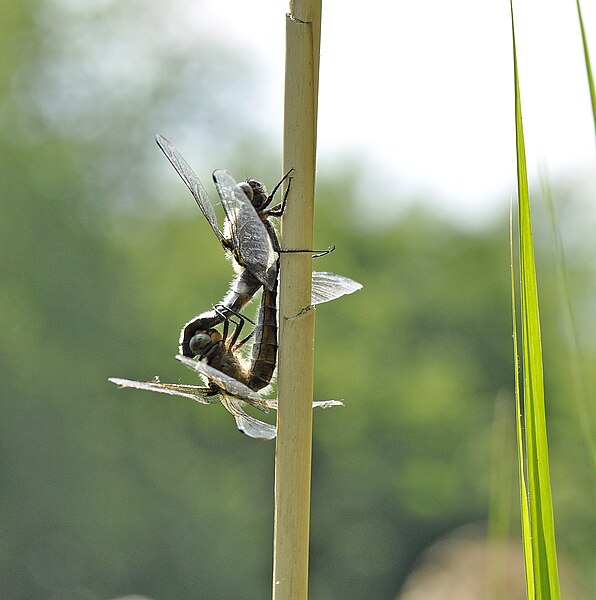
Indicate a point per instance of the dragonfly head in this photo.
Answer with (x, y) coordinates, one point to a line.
(203, 341)
(258, 196)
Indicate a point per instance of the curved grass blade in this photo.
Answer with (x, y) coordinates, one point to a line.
(587, 60)
(581, 394)
(519, 429)
(537, 516)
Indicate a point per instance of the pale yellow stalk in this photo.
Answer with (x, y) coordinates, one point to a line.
(296, 339)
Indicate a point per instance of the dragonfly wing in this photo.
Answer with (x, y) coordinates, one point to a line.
(247, 424)
(326, 403)
(329, 286)
(194, 392)
(192, 182)
(251, 240)
(316, 404)
(227, 384)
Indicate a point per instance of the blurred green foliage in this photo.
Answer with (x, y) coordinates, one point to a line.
(108, 492)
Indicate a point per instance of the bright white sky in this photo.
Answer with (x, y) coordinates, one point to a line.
(422, 91)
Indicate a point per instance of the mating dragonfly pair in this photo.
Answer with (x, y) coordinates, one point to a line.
(251, 240)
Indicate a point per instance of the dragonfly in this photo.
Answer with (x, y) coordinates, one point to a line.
(249, 237)
(245, 237)
(228, 379)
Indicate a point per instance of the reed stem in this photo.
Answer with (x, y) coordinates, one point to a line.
(296, 325)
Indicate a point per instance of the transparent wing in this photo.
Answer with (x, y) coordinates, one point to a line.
(192, 182)
(327, 403)
(194, 392)
(247, 424)
(227, 384)
(329, 286)
(252, 243)
(316, 404)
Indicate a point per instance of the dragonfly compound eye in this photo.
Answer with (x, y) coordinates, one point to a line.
(257, 186)
(199, 343)
(259, 193)
(247, 189)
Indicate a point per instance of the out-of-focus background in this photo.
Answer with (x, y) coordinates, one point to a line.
(104, 255)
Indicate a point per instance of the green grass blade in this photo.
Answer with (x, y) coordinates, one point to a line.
(500, 497)
(587, 60)
(523, 488)
(580, 395)
(501, 484)
(540, 549)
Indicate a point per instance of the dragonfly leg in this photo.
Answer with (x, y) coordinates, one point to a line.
(243, 341)
(226, 330)
(236, 334)
(278, 210)
(218, 308)
(316, 253)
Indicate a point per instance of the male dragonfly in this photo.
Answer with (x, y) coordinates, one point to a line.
(250, 238)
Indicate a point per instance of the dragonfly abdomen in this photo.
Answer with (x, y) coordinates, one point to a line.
(264, 349)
